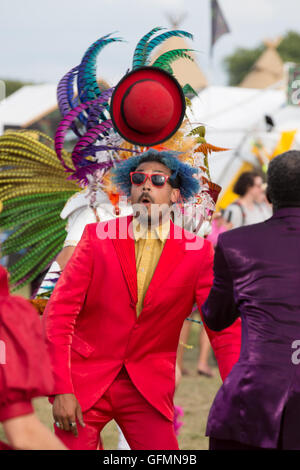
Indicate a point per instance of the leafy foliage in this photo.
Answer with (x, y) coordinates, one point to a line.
(289, 48)
(239, 64)
(13, 85)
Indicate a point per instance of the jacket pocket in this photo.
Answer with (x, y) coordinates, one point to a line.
(81, 347)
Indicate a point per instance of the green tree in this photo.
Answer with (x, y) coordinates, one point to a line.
(239, 64)
(13, 85)
(289, 48)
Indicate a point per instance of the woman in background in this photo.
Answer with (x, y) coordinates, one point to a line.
(251, 207)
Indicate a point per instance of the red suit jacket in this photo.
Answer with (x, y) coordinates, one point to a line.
(91, 325)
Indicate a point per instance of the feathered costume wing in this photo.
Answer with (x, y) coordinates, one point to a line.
(33, 190)
(38, 176)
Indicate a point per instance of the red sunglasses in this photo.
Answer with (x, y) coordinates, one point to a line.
(157, 179)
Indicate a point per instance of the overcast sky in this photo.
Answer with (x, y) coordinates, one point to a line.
(42, 39)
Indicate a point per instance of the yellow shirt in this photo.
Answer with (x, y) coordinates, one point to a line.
(148, 248)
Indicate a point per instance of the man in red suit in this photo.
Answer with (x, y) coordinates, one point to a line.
(114, 318)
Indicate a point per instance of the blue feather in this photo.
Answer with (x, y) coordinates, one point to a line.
(139, 53)
(87, 81)
(163, 37)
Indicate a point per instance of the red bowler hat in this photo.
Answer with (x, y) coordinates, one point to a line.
(147, 106)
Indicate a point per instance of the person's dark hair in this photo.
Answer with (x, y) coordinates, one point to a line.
(244, 182)
(284, 180)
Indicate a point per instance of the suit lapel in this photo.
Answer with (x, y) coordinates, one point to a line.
(172, 254)
(125, 250)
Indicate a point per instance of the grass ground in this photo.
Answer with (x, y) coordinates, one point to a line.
(195, 395)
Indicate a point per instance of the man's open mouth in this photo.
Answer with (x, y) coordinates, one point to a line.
(145, 200)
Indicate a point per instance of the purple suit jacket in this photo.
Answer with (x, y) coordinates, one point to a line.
(257, 277)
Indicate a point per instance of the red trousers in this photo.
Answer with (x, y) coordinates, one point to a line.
(143, 426)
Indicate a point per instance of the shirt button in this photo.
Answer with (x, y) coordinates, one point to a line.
(142, 270)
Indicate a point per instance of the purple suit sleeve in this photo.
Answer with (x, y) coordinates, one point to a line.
(219, 310)
(226, 343)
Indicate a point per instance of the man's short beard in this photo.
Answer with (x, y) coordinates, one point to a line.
(158, 214)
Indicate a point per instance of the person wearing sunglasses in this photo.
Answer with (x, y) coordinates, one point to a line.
(113, 321)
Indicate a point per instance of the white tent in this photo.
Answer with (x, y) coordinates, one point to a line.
(233, 116)
(27, 105)
(287, 118)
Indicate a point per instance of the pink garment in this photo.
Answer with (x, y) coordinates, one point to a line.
(178, 411)
(215, 232)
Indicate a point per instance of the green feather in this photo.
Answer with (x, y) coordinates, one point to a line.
(21, 201)
(10, 222)
(17, 212)
(164, 60)
(139, 54)
(30, 227)
(36, 268)
(32, 239)
(189, 91)
(200, 131)
(36, 251)
(162, 38)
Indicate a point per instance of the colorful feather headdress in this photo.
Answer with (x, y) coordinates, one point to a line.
(38, 175)
(87, 114)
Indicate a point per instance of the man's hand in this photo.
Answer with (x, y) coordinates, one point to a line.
(66, 410)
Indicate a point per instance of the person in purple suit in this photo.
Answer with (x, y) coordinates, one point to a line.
(257, 277)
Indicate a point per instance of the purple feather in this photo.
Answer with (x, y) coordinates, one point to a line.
(66, 100)
(93, 149)
(81, 173)
(88, 138)
(68, 120)
(94, 115)
(62, 91)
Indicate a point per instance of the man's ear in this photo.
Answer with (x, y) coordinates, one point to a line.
(175, 195)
